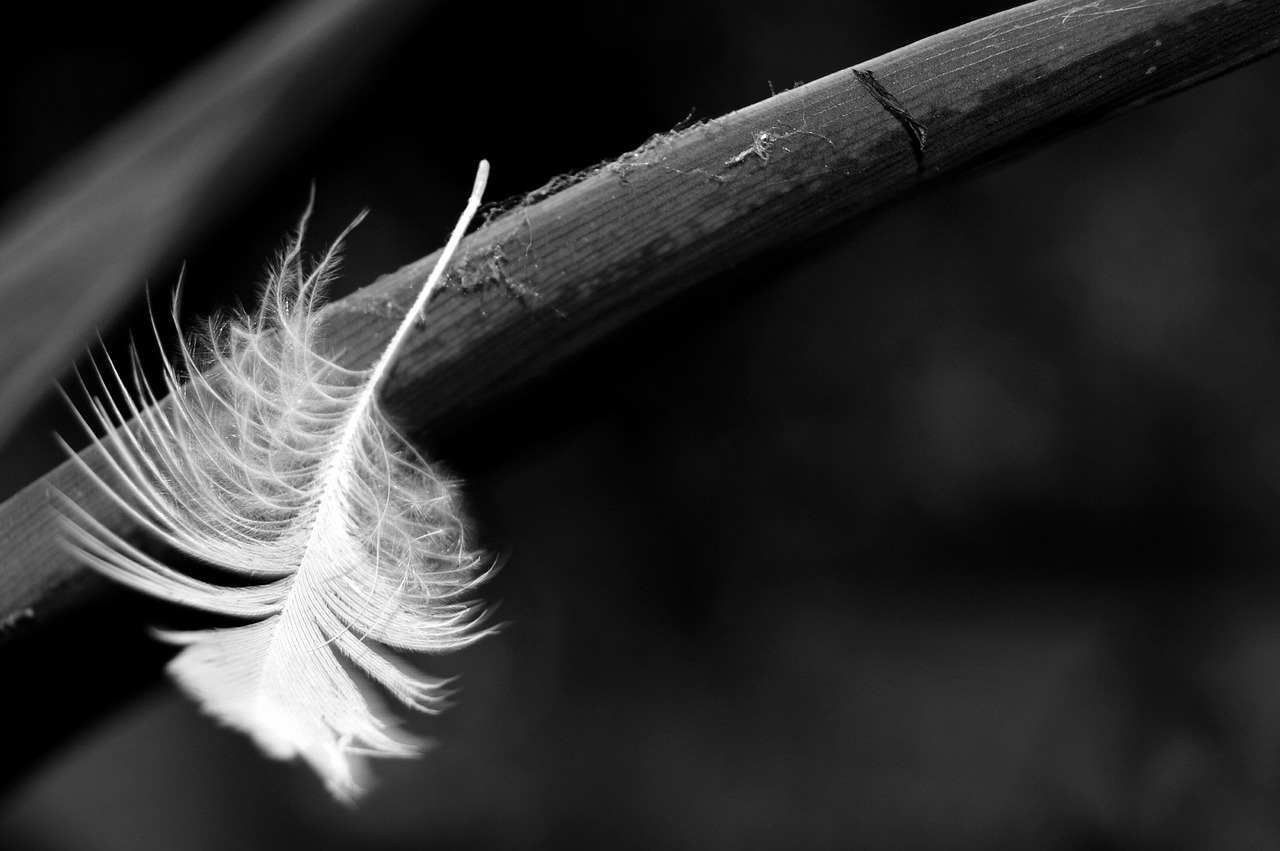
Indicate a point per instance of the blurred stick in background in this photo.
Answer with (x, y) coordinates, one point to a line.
(579, 264)
(76, 247)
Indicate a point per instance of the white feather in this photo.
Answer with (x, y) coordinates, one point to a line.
(278, 465)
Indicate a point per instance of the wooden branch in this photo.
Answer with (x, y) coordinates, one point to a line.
(562, 271)
(655, 223)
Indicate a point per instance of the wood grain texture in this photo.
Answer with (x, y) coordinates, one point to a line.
(640, 231)
(578, 265)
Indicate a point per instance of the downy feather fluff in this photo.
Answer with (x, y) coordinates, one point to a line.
(278, 465)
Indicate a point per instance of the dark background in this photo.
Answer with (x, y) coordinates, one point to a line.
(961, 533)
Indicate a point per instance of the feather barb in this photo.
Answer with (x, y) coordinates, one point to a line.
(277, 465)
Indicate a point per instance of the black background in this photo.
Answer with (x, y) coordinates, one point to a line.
(958, 534)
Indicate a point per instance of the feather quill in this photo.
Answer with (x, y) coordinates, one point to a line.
(278, 465)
